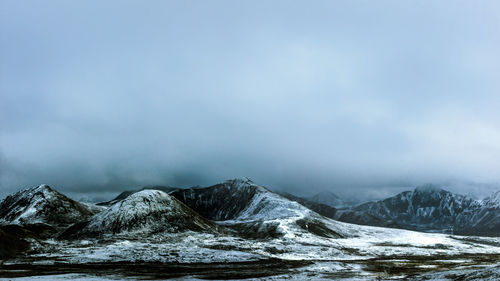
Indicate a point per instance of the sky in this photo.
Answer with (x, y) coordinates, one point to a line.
(362, 98)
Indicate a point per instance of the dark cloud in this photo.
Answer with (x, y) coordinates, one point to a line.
(355, 97)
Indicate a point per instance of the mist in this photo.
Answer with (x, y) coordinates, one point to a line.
(354, 97)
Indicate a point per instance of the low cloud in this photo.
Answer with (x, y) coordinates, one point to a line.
(358, 99)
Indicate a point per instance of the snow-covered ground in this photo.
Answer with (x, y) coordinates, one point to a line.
(365, 255)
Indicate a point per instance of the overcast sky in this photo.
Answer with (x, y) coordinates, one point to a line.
(357, 97)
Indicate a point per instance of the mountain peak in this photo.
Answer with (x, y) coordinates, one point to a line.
(43, 188)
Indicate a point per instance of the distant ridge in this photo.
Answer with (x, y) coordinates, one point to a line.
(430, 208)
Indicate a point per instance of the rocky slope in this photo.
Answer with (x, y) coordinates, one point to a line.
(147, 212)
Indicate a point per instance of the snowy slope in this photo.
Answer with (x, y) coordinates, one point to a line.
(42, 204)
(143, 213)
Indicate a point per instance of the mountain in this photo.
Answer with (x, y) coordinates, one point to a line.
(425, 208)
(127, 193)
(42, 204)
(331, 199)
(141, 214)
(429, 208)
(254, 211)
(483, 219)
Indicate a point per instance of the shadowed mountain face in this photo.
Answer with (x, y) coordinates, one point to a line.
(223, 201)
(42, 204)
(143, 213)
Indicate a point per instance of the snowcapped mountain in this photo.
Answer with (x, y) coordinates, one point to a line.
(42, 204)
(429, 208)
(142, 213)
(254, 211)
(425, 208)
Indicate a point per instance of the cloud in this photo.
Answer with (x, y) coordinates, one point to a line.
(297, 96)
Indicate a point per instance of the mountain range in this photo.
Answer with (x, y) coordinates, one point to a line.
(241, 207)
(426, 208)
(239, 222)
(429, 208)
